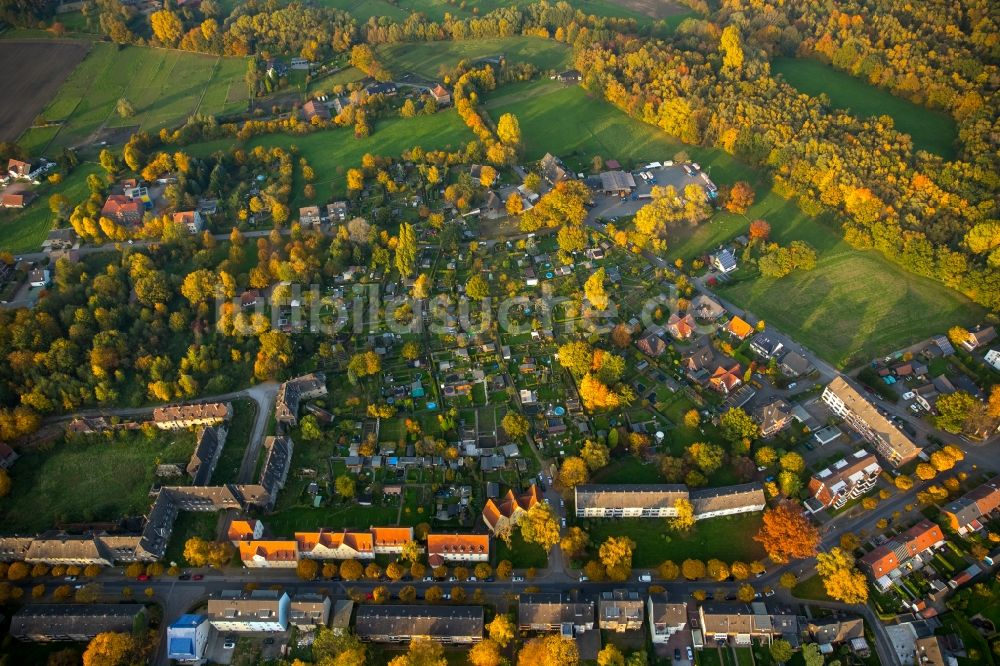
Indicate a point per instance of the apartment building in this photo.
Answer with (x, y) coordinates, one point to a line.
(442, 548)
(967, 512)
(660, 500)
(453, 625)
(740, 623)
(329, 545)
(258, 611)
(187, 638)
(278, 554)
(308, 611)
(665, 618)
(293, 392)
(844, 480)
(43, 623)
(620, 610)
(179, 417)
(551, 612)
(864, 418)
(501, 516)
(390, 540)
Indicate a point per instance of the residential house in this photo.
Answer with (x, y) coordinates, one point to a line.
(390, 540)
(440, 95)
(550, 612)
(844, 480)
(16, 197)
(283, 554)
(191, 220)
(665, 618)
(553, 169)
(316, 110)
(277, 461)
(179, 417)
(233, 611)
(705, 308)
(327, 545)
(967, 512)
(741, 624)
(765, 346)
(794, 364)
(43, 623)
(773, 417)
(309, 216)
(19, 169)
(727, 500)
(724, 260)
(725, 379)
(241, 529)
(738, 328)
(443, 548)
(60, 239)
(885, 561)
(337, 211)
(187, 638)
(308, 611)
(290, 393)
(388, 89)
(7, 456)
(39, 277)
(208, 448)
(569, 76)
(863, 417)
(978, 337)
(651, 344)
(501, 516)
(453, 625)
(928, 652)
(122, 210)
(620, 610)
(832, 632)
(696, 361)
(681, 328)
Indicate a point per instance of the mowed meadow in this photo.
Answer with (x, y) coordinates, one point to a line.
(933, 131)
(853, 306)
(163, 86)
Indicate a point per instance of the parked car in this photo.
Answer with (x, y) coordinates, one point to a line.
(70, 579)
(645, 578)
(518, 579)
(677, 654)
(563, 522)
(229, 644)
(583, 579)
(268, 641)
(184, 577)
(428, 579)
(690, 654)
(142, 578)
(197, 577)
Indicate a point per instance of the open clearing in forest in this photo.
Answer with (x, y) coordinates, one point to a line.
(933, 131)
(431, 59)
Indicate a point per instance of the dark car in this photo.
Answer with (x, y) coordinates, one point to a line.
(488, 579)
(677, 654)
(268, 641)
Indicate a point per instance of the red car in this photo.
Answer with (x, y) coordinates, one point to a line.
(142, 578)
(197, 577)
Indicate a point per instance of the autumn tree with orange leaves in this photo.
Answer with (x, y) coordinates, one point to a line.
(787, 534)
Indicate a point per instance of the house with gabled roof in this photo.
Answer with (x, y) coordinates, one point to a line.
(502, 516)
(443, 548)
(884, 561)
(844, 480)
(724, 260)
(681, 327)
(7, 456)
(390, 540)
(738, 328)
(705, 308)
(330, 545)
(122, 210)
(651, 344)
(773, 417)
(278, 554)
(979, 336)
(963, 513)
(726, 379)
(244, 529)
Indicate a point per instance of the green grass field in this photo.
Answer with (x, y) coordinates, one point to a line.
(429, 59)
(332, 152)
(854, 305)
(729, 539)
(23, 230)
(88, 480)
(522, 555)
(164, 87)
(437, 9)
(932, 131)
(568, 122)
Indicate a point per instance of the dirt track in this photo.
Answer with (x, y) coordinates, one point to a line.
(31, 72)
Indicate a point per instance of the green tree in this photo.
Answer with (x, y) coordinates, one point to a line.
(781, 650)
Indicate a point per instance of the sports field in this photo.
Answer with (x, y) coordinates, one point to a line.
(94, 480)
(429, 59)
(932, 131)
(164, 87)
(331, 153)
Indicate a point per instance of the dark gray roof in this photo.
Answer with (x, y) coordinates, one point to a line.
(451, 621)
(59, 620)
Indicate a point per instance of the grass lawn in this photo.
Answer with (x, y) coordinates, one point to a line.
(429, 59)
(228, 468)
(854, 305)
(729, 539)
(332, 152)
(25, 229)
(711, 655)
(629, 469)
(189, 524)
(744, 656)
(303, 518)
(92, 479)
(811, 588)
(164, 87)
(435, 10)
(932, 131)
(522, 555)
(568, 122)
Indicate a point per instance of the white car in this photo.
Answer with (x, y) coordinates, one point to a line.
(563, 521)
(229, 645)
(909, 395)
